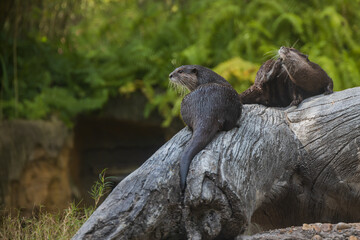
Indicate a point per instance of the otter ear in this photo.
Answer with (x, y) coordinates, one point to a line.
(194, 70)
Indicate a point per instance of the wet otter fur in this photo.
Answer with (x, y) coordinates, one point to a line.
(211, 106)
(271, 87)
(305, 74)
(287, 81)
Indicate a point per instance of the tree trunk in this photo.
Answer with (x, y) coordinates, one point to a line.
(281, 167)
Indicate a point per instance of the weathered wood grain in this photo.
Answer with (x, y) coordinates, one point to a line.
(281, 167)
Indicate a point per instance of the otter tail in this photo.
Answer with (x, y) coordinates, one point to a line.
(200, 138)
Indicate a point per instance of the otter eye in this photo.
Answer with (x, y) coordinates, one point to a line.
(180, 71)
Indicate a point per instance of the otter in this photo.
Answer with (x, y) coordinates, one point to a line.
(287, 81)
(271, 87)
(211, 106)
(307, 75)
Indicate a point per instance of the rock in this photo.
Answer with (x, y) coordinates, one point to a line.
(307, 232)
(326, 227)
(306, 227)
(315, 227)
(342, 226)
(35, 157)
(316, 237)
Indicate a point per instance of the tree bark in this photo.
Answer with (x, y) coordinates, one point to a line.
(281, 167)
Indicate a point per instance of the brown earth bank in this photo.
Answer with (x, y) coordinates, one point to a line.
(315, 231)
(34, 158)
(47, 164)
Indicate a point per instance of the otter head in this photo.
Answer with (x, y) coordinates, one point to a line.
(295, 63)
(293, 60)
(305, 74)
(185, 76)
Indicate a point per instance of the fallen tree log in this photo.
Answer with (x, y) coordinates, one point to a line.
(281, 167)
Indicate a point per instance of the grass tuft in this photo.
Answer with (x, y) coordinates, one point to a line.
(45, 225)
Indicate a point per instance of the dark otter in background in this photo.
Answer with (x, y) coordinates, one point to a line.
(305, 74)
(271, 87)
(287, 81)
(211, 106)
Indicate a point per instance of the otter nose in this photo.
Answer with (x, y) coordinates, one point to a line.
(170, 75)
(282, 50)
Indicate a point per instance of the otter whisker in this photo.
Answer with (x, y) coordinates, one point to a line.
(276, 56)
(183, 85)
(184, 91)
(173, 84)
(273, 54)
(295, 43)
(270, 53)
(287, 71)
(178, 87)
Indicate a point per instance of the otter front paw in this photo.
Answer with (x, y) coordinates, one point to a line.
(328, 91)
(295, 102)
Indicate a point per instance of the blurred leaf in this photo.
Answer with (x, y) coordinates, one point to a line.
(73, 55)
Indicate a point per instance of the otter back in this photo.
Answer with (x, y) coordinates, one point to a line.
(211, 105)
(208, 109)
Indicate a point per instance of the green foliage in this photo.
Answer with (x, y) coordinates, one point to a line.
(238, 72)
(100, 188)
(119, 47)
(50, 83)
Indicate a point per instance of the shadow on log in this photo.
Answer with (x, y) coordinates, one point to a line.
(281, 167)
